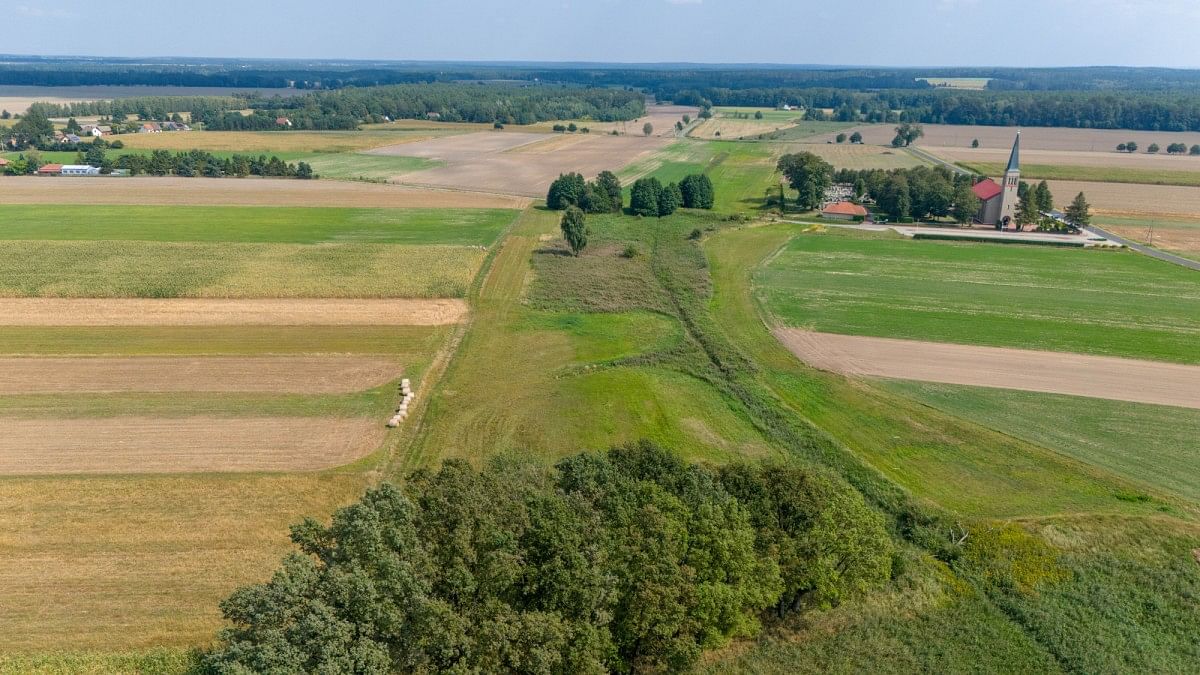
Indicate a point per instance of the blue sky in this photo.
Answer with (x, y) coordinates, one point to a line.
(876, 32)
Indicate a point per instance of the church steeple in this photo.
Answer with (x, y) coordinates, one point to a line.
(1014, 160)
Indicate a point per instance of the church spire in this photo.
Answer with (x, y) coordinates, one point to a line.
(1014, 161)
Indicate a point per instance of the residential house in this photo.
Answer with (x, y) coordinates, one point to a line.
(844, 211)
(71, 138)
(150, 128)
(175, 126)
(97, 130)
(283, 122)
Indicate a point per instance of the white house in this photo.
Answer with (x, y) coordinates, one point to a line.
(80, 170)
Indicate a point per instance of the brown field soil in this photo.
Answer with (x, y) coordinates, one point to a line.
(663, 117)
(849, 156)
(1183, 239)
(217, 312)
(1122, 160)
(490, 162)
(267, 374)
(132, 445)
(16, 98)
(1027, 370)
(1035, 138)
(1131, 199)
(173, 191)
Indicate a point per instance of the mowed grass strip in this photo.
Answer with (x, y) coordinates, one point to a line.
(1115, 303)
(151, 269)
(1098, 174)
(1152, 445)
(741, 172)
(376, 404)
(254, 224)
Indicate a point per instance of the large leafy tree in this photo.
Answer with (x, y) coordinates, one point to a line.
(670, 198)
(697, 191)
(1079, 212)
(644, 196)
(574, 229)
(966, 204)
(808, 175)
(566, 190)
(608, 183)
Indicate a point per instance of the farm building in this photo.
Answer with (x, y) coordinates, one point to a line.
(844, 211)
(998, 203)
(150, 128)
(50, 170)
(80, 170)
(97, 130)
(283, 122)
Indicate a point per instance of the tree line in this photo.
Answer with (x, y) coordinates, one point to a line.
(629, 560)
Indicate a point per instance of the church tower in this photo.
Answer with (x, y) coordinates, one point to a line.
(1012, 183)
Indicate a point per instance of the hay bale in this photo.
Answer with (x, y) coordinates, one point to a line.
(392, 424)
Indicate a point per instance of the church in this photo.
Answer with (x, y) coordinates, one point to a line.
(998, 203)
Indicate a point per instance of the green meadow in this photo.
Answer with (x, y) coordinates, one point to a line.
(1152, 445)
(741, 172)
(1099, 174)
(1114, 303)
(254, 224)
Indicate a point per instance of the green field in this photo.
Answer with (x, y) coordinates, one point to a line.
(1098, 174)
(357, 166)
(1100, 302)
(741, 172)
(254, 224)
(1152, 445)
(119, 269)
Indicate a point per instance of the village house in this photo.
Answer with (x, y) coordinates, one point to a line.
(150, 128)
(97, 130)
(844, 211)
(175, 126)
(283, 122)
(50, 170)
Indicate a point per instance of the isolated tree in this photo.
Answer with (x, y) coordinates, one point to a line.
(687, 119)
(1131, 147)
(907, 134)
(856, 138)
(697, 191)
(1122, 147)
(566, 190)
(644, 196)
(670, 198)
(1176, 149)
(1195, 150)
(574, 229)
(1153, 149)
(5, 115)
(975, 143)
(966, 204)
(1079, 212)
(679, 126)
(1043, 198)
(572, 127)
(808, 175)
(841, 138)
(647, 129)
(758, 114)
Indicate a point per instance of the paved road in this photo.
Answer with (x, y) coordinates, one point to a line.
(1152, 252)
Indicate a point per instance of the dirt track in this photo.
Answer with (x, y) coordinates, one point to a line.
(173, 191)
(198, 312)
(1051, 372)
(518, 163)
(188, 445)
(275, 374)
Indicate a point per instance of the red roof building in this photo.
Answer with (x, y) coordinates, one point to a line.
(50, 170)
(987, 189)
(844, 211)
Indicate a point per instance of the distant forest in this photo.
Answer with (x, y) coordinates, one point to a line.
(1156, 99)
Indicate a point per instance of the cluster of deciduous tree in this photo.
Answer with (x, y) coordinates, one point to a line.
(628, 561)
(602, 195)
(807, 174)
(915, 194)
(649, 197)
(488, 103)
(200, 163)
(146, 107)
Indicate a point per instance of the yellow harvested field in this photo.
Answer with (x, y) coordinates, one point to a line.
(1182, 239)
(731, 129)
(518, 164)
(221, 312)
(849, 156)
(266, 374)
(1123, 160)
(172, 191)
(661, 117)
(289, 141)
(1131, 199)
(1035, 138)
(132, 445)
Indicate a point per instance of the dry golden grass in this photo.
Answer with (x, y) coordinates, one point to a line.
(203, 312)
(328, 374)
(172, 191)
(202, 444)
(850, 156)
(128, 562)
(1131, 199)
(731, 129)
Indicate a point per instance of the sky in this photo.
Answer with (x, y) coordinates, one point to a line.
(875, 32)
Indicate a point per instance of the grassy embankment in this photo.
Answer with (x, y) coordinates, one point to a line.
(1113, 303)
